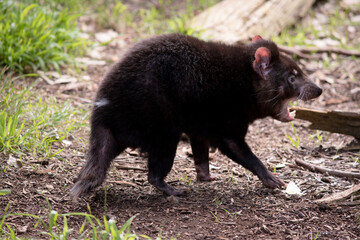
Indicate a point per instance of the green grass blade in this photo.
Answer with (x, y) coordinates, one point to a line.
(4, 216)
(26, 11)
(5, 192)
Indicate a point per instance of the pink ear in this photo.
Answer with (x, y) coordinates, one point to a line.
(256, 38)
(262, 61)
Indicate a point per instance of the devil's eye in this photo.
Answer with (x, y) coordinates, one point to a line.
(291, 79)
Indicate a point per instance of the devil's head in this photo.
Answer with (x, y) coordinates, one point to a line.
(279, 81)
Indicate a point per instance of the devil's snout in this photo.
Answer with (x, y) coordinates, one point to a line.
(310, 91)
(317, 91)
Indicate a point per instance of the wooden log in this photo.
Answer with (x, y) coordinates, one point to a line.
(234, 21)
(332, 121)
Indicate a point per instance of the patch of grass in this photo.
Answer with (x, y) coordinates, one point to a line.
(150, 19)
(217, 201)
(318, 136)
(73, 6)
(35, 37)
(356, 160)
(216, 218)
(333, 26)
(5, 192)
(55, 226)
(117, 16)
(180, 25)
(31, 124)
(295, 140)
(185, 179)
(233, 215)
(231, 177)
(313, 237)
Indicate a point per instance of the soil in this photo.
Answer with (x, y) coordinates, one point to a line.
(234, 206)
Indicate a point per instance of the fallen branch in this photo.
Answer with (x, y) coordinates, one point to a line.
(305, 52)
(351, 148)
(329, 171)
(339, 195)
(333, 121)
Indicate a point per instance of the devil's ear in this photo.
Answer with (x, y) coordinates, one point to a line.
(256, 38)
(262, 61)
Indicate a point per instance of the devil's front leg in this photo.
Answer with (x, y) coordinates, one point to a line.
(240, 152)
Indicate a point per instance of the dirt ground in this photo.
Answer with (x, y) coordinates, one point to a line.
(234, 206)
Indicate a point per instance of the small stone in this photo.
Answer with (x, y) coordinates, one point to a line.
(14, 162)
(23, 229)
(172, 199)
(265, 229)
(106, 36)
(326, 180)
(67, 143)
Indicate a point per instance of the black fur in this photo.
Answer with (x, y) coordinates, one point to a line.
(174, 84)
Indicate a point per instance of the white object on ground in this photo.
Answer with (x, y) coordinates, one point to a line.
(292, 189)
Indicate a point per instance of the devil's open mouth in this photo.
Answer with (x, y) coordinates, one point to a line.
(285, 115)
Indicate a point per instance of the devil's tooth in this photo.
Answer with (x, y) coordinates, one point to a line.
(292, 114)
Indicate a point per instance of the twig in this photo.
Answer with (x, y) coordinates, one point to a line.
(303, 51)
(131, 168)
(291, 51)
(124, 183)
(353, 203)
(173, 181)
(45, 78)
(228, 223)
(65, 96)
(329, 171)
(340, 51)
(41, 162)
(74, 85)
(129, 157)
(78, 155)
(339, 195)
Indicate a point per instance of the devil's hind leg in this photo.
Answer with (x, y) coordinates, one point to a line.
(161, 159)
(103, 149)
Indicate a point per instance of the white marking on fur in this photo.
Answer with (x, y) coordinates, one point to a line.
(266, 72)
(102, 102)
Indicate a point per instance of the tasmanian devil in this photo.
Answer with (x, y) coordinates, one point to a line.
(174, 84)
